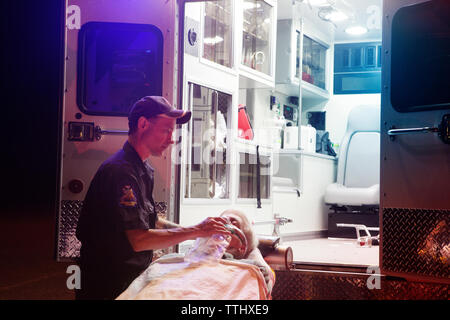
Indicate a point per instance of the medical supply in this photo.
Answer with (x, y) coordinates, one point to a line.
(208, 249)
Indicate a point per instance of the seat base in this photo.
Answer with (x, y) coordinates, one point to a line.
(368, 218)
(355, 209)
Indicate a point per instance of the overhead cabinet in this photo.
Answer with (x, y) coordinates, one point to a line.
(357, 68)
(257, 21)
(217, 32)
(302, 59)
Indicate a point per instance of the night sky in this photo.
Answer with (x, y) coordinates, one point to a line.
(30, 86)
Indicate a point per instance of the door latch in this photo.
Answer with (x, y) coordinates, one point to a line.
(81, 131)
(87, 131)
(443, 130)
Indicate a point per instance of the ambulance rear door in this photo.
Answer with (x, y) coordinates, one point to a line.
(415, 140)
(116, 52)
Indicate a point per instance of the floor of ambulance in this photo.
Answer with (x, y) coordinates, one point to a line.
(333, 251)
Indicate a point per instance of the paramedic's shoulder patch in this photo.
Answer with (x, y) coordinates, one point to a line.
(128, 199)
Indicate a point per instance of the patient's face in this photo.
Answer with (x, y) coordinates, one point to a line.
(236, 247)
(234, 219)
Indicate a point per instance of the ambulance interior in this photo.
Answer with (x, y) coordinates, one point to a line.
(286, 101)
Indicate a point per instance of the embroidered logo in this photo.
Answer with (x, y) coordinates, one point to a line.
(128, 198)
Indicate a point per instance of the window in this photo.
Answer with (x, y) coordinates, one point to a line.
(119, 63)
(420, 58)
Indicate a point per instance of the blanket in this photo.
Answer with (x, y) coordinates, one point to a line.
(172, 278)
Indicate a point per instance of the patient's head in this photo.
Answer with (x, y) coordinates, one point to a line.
(239, 220)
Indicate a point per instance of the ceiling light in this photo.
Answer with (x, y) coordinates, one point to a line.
(319, 3)
(356, 30)
(332, 14)
(336, 16)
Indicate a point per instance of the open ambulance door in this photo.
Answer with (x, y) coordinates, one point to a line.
(415, 137)
(116, 52)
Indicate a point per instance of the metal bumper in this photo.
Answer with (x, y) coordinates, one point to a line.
(309, 284)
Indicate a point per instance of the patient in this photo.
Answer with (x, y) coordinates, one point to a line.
(251, 255)
(241, 274)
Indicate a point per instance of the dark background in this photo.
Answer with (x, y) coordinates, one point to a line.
(31, 53)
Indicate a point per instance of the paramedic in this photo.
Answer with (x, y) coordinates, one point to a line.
(252, 255)
(118, 226)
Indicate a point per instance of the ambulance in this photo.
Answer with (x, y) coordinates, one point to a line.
(325, 121)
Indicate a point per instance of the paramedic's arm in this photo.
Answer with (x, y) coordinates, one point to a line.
(153, 239)
(162, 223)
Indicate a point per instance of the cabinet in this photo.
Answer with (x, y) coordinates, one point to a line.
(357, 68)
(248, 176)
(300, 53)
(254, 172)
(207, 169)
(300, 180)
(313, 62)
(217, 32)
(257, 21)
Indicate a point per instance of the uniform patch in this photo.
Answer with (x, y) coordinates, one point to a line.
(128, 198)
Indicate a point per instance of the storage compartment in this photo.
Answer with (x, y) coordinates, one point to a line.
(357, 68)
(254, 176)
(217, 32)
(257, 36)
(207, 171)
(314, 62)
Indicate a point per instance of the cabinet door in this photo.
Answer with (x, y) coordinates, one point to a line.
(217, 32)
(257, 37)
(314, 62)
(207, 170)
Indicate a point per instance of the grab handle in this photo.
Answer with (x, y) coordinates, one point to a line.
(396, 132)
(443, 130)
(99, 132)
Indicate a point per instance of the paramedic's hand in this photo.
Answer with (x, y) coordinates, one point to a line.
(212, 225)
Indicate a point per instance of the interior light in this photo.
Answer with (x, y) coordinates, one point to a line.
(356, 30)
(319, 3)
(336, 16)
(214, 40)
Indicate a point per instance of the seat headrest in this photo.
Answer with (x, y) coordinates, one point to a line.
(364, 118)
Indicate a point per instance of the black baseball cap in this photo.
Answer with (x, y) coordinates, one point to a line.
(152, 106)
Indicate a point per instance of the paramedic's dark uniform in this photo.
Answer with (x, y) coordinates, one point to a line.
(119, 198)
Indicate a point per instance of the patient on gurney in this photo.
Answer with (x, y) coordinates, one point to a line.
(215, 268)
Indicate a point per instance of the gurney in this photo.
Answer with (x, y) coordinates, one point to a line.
(173, 277)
